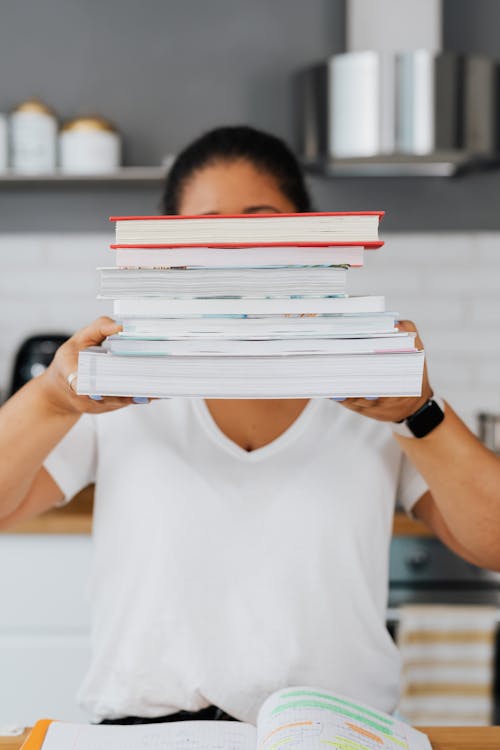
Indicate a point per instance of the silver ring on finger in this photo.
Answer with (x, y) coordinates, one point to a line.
(70, 378)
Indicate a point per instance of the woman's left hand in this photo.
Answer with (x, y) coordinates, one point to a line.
(394, 409)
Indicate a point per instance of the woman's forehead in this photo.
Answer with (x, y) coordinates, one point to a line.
(235, 186)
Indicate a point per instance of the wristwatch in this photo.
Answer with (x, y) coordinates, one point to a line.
(423, 421)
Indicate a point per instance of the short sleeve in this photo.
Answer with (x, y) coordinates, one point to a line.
(411, 485)
(72, 463)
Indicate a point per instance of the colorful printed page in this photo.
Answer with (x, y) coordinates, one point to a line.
(180, 735)
(309, 719)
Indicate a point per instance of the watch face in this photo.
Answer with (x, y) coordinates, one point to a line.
(425, 419)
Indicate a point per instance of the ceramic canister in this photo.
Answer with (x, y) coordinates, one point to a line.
(89, 144)
(33, 137)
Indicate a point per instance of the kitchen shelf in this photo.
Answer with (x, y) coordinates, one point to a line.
(440, 164)
(445, 164)
(124, 175)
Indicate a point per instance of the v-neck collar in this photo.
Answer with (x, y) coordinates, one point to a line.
(218, 436)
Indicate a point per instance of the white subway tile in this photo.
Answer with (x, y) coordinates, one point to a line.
(19, 250)
(452, 372)
(469, 402)
(385, 281)
(76, 316)
(78, 251)
(20, 313)
(428, 310)
(487, 373)
(427, 249)
(467, 342)
(488, 249)
(41, 283)
(486, 310)
(472, 280)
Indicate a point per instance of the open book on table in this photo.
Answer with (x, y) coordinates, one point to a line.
(294, 718)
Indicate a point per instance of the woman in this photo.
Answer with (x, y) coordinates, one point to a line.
(240, 546)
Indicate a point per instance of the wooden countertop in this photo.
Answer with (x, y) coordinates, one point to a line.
(442, 738)
(76, 518)
(73, 518)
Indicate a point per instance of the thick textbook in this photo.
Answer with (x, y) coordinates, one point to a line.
(297, 717)
(271, 376)
(238, 257)
(221, 282)
(130, 346)
(166, 308)
(320, 228)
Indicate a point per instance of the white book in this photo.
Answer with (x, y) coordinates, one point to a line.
(129, 346)
(277, 376)
(249, 229)
(261, 326)
(299, 717)
(172, 307)
(239, 257)
(221, 282)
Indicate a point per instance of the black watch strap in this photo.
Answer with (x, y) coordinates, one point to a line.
(425, 419)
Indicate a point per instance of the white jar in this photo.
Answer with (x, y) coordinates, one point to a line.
(89, 145)
(3, 143)
(33, 137)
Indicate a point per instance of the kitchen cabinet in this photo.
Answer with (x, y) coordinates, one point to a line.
(44, 625)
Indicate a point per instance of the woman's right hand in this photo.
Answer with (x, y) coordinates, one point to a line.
(61, 395)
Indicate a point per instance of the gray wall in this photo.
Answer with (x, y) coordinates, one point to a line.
(165, 70)
(472, 26)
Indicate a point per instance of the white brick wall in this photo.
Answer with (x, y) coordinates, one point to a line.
(47, 285)
(449, 284)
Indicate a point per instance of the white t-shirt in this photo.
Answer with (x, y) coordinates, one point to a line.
(221, 575)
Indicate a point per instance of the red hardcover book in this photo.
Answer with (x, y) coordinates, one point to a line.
(319, 229)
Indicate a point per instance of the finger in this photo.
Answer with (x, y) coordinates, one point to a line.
(363, 403)
(406, 325)
(356, 404)
(106, 403)
(95, 333)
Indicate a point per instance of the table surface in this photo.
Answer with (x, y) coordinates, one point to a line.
(442, 738)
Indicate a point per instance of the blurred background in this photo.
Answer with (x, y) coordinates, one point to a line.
(390, 105)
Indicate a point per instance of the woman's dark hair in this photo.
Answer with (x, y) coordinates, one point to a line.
(266, 152)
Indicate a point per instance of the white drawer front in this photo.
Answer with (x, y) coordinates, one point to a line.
(40, 676)
(43, 581)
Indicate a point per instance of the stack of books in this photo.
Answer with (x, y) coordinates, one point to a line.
(249, 306)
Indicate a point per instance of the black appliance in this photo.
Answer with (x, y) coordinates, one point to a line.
(34, 356)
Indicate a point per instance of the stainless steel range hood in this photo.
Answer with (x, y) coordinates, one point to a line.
(386, 112)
